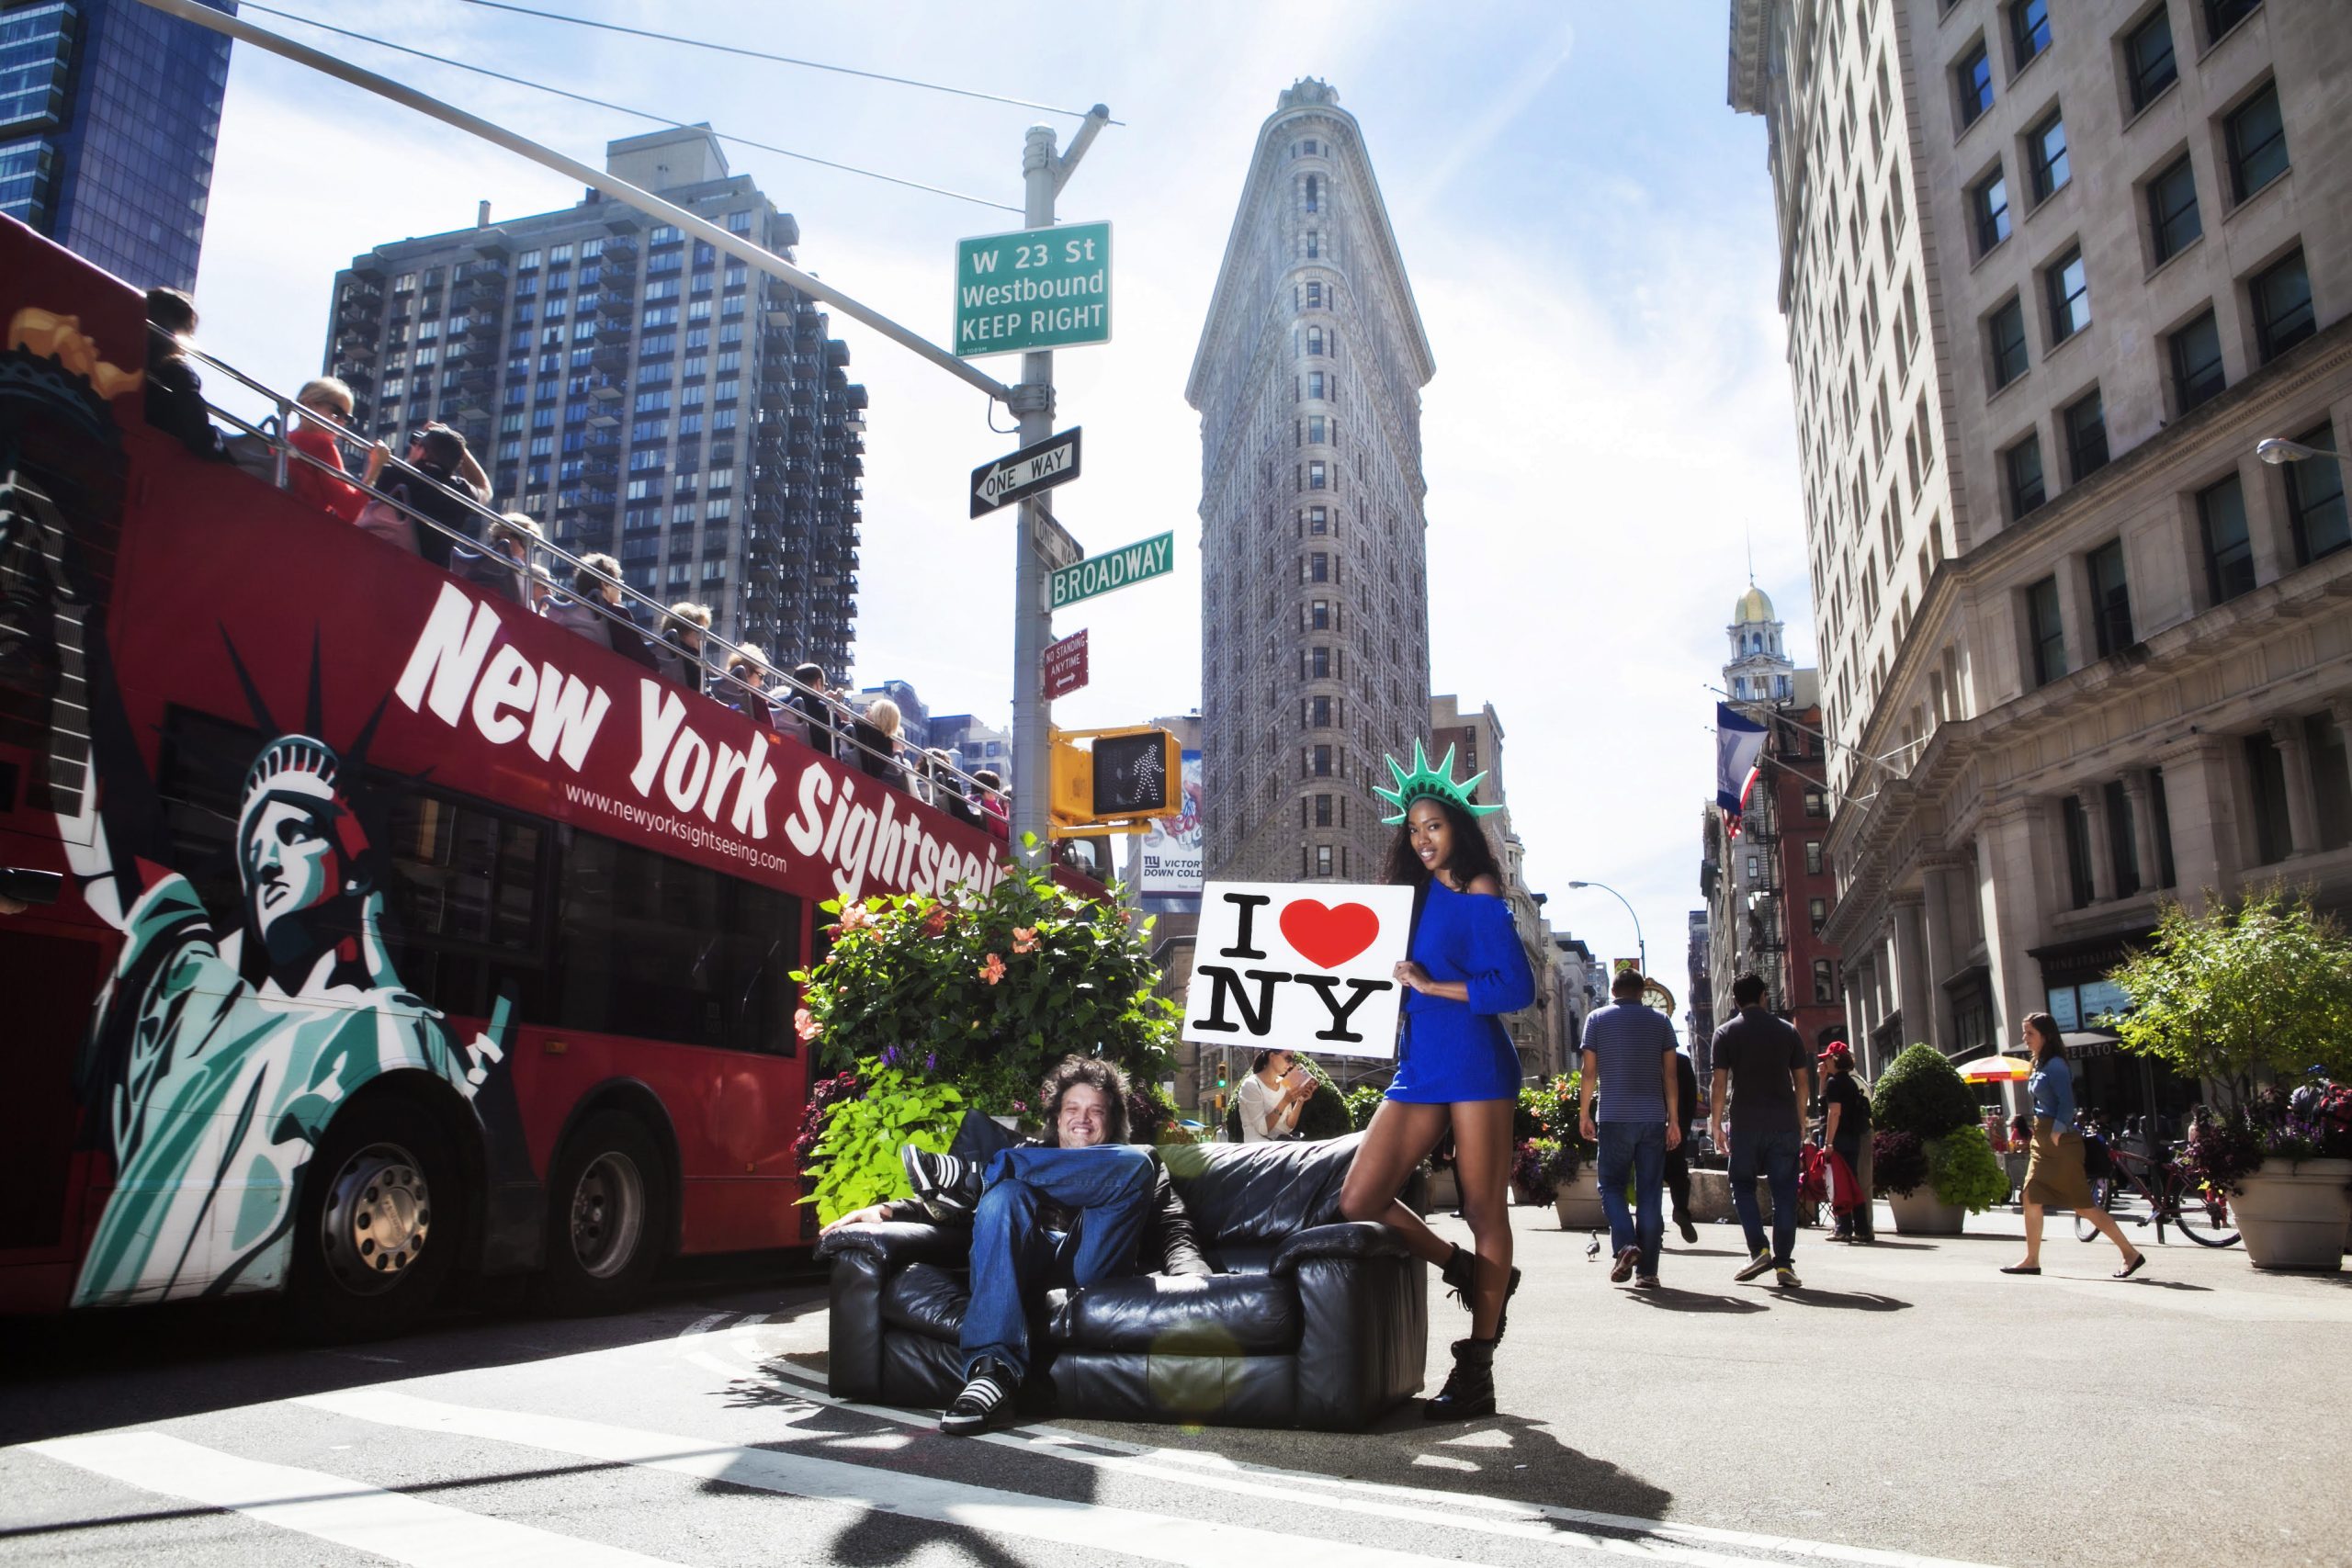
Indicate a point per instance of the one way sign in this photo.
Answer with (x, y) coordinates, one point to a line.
(1050, 462)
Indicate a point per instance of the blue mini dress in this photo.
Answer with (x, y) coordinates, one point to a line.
(1449, 1051)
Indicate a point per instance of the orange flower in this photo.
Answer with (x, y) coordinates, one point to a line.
(804, 1024)
(936, 923)
(857, 915)
(1025, 939)
(993, 970)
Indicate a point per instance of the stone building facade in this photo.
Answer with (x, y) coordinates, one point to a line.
(2051, 275)
(1314, 603)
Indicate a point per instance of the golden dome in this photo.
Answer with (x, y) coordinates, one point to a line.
(1753, 607)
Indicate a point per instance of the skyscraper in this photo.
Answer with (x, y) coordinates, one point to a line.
(1314, 604)
(108, 113)
(635, 394)
(2052, 274)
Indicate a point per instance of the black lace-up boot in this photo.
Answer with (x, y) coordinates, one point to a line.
(1461, 1277)
(1469, 1389)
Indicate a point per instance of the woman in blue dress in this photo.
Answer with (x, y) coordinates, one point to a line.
(1456, 1069)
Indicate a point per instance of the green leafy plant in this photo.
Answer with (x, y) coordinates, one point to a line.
(1362, 1101)
(857, 1157)
(1899, 1163)
(2261, 984)
(1964, 1171)
(1532, 1170)
(1325, 1115)
(1921, 1092)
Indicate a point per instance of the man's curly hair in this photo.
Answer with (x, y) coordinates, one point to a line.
(1103, 1075)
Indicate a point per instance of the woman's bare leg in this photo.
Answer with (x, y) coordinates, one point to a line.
(2110, 1229)
(1399, 1138)
(1482, 1169)
(2033, 1234)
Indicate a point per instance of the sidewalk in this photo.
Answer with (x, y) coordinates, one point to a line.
(1910, 1397)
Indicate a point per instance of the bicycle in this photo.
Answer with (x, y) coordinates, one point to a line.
(2202, 1217)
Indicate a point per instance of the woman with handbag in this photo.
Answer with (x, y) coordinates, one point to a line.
(2054, 1175)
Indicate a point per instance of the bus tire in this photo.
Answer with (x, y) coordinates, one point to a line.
(377, 1230)
(605, 1217)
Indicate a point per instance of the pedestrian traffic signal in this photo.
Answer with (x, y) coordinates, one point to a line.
(1118, 775)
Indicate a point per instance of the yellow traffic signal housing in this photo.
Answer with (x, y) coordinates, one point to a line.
(1122, 776)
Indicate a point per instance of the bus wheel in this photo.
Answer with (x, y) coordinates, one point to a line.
(605, 1217)
(377, 1232)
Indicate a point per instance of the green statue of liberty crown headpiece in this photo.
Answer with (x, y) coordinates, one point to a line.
(1425, 783)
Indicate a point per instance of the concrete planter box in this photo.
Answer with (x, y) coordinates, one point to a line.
(1578, 1203)
(1922, 1214)
(2295, 1215)
(1440, 1193)
(1710, 1197)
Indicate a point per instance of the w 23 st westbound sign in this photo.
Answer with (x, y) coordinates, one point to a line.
(1033, 288)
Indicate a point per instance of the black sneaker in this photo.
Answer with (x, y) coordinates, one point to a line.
(1690, 1232)
(943, 1181)
(985, 1403)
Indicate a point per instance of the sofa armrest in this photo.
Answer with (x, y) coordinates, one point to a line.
(1347, 1239)
(896, 1243)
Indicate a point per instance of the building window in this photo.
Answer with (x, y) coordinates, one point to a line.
(1318, 712)
(2257, 142)
(1972, 79)
(2282, 294)
(2077, 824)
(1990, 202)
(2067, 288)
(1825, 982)
(1812, 857)
(2315, 509)
(2196, 352)
(1318, 476)
(1321, 765)
(2173, 219)
(2045, 631)
(1817, 911)
(2022, 464)
(1319, 615)
(2029, 31)
(1322, 859)
(1318, 568)
(1816, 804)
(2046, 157)
(2004, 334)
(1318, 520)
(2086, 421)
(2160, 824)
(2148, 58)
(2122, 841)
(2110, 599)
(1318, 663)
(1322, 811)
(2221, 15)
(2266, 769)
(2229, 549)
(2331, 782)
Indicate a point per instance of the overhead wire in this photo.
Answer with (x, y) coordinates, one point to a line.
(624, 108)
(782, 59)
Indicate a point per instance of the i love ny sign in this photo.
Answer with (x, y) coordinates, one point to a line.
(1305, 967)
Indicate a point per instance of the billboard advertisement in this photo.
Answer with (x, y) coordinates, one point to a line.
(1171, 877)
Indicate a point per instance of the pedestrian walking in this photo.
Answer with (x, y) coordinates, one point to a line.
(1678, 1153)
(1846, 1117)
(1763, 1077)
(1629, 1059)
(2054, 1174)
(1456, 1069)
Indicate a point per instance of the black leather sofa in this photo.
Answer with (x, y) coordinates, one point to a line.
(1310, 1321)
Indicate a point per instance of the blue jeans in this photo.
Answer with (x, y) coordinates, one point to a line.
(1013, 1260)
(1775, 1156)
(1638, 1149)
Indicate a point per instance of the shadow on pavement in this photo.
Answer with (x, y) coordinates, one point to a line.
(1853, 1301)
(2148, 1284)
(1666, 1298)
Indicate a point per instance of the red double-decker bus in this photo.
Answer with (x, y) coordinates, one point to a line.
(401, 932)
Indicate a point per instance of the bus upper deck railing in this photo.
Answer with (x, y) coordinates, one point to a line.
(842, 718)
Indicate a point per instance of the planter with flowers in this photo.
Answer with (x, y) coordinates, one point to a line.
(927, 1006)
(2258, 988)
(1929, 1154)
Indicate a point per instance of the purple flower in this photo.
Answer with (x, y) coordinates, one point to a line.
(930, 1062)
(889, 1055)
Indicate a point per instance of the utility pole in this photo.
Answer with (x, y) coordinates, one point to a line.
(1042, 176)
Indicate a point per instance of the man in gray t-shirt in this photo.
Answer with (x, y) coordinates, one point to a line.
(1764, 1073)
(1629, 1058)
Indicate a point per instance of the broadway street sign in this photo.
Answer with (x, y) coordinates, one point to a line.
(1048, 463)
(1033, 288)
(1155, 557)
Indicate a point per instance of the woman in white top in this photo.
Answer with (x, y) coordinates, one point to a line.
(1270, 1102)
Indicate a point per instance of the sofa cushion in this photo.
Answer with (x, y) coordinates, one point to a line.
(926, 1299)
(1242, 1193)
(1170, 1314)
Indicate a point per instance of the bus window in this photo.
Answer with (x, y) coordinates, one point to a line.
(462, 907)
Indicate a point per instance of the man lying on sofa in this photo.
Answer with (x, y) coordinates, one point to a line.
(1077, 1206)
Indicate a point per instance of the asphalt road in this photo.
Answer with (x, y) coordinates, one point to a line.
(1910, 1405)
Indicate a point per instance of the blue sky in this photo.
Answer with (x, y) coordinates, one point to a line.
(1587, 227)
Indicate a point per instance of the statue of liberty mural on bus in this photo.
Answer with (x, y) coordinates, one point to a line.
(222, 1056)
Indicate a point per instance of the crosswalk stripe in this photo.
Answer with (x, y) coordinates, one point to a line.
(328, 1507)
(1155, 1538)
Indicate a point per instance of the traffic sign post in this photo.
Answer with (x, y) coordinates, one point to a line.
(1155, 557)
(1050, 462)
(1034, 288)
(1066, 665)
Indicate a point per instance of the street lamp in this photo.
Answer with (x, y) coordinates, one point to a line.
(2276, 449)
(1639, 945)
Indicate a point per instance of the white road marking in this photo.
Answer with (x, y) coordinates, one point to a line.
(704, 1324)
(1155, 1538)
(327, 1508)
(1534, 1521)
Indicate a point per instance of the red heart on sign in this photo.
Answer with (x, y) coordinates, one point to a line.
(1327, 938)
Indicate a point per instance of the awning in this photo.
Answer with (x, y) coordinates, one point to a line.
(2082, 1042)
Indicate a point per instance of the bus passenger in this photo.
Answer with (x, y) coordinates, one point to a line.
(174, 391)
(681, 651)
(947, 790)
(807, 699)
(994, 814)
(439, 454)
(327, 398)
(745, 688)
(875, 736)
